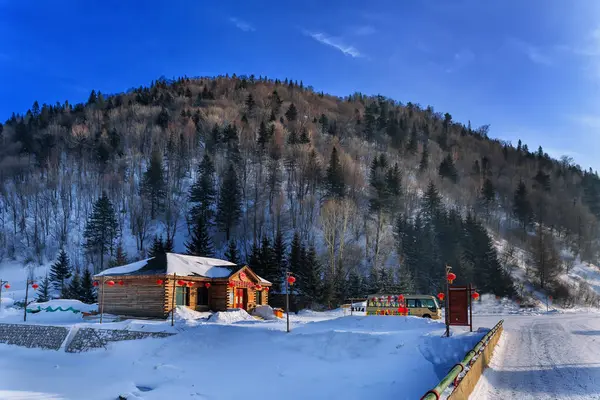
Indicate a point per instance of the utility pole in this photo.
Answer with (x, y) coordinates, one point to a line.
(2, 283)
(447, 311)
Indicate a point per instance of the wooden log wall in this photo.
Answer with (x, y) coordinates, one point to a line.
(138, 297)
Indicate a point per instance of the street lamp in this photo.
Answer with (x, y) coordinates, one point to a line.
(450, 277)
(290, 279)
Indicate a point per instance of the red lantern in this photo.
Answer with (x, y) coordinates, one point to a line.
(180, 282)
(159, 282)
(7, 286)
(267, 288)
(243, 275)
(441, 296)
(95, 283)
(451, 277)
(35, 286)
(110, 283)
(121, 283)
(475, 295)
(231, 284)
(207, 285)
(190, 284)
(258, 287)
(550, 298)
(291, 280)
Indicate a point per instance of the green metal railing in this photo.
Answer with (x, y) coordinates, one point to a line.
(452, 375)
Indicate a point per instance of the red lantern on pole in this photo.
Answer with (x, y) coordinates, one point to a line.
(190, 284)
(7, 286)
(475, 295)
(451, 277)
(207, 285)
(550, 298)
(441, 296)
(121, 283)
(231, 284)
(110, 283)
(35, 286)
(180, 283)
(95, 283)
(159, 282)
(291, 280)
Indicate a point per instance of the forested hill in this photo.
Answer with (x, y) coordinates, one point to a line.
(355, 194)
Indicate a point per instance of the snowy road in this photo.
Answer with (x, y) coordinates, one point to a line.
(543, 357)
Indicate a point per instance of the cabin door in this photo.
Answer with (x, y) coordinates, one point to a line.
(241, 298)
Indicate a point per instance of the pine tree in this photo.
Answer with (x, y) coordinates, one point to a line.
(168, 245)
(88, 292)
(294, 260)
(263, 136)
(229, 206)
(232, 143)
(424, 163)
(488, 195)
(304, 139)
(101, 229)
(292, 113)
(250, 103)
(120, 257)
(232, 254)
(158, 247)
(44, 290)
(335, 176)
(202, 192)
(521, 207)
(412, 145)
(309, 282)
(355, 285)
(74, 291)
(60, 271)
(153, 187)
(447, 169)
(432, 201)
(200, 243)
(279, 261)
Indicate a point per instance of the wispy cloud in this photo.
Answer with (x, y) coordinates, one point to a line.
(242, 25)
(460, 60)
(336, 43)
(535, 54)
(364, 30)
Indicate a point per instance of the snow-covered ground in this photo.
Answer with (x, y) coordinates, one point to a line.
(552, 356)
(327, 355)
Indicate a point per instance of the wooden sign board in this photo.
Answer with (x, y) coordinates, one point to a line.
(458, 304)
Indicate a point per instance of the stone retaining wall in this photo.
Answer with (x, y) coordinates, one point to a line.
(89, 338)
(53, 337)
(41, 336)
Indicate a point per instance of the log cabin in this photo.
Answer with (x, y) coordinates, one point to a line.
(151, 288)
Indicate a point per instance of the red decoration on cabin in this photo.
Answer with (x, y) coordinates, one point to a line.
(258, 287)
(401, 297)
(475, 295)
(121, 283)
(110, 283)
(207, 285)
(243, 275)
(231, 284)
(180, 282)
(291, 280)
(267, 288)
(451, 277)
(441, 296)
(95, 283)
(35, 286)
(190, 284)
(159, 282)
(7, 286)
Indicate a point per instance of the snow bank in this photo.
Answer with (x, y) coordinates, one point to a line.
(186, 314)
(63, 304)
(231, 316)
(347, 357)
(265, 312)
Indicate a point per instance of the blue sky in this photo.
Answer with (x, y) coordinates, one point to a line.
(530, 69)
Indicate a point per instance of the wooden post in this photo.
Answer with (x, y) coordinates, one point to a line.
(447, 269)
(470, 307)
(287, 300)
(26, 294)
(102, 297)
(2, 283)
(173, 300)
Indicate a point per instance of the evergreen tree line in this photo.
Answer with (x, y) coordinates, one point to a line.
(67, 282)
(437, 237)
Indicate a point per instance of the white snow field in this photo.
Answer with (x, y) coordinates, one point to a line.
(326, 356)
(550, 356)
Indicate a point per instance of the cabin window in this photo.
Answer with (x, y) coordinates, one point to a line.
(202, 296)
(258, 297)
(182, 296)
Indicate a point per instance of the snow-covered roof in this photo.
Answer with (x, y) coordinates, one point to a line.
(171, 263)
(263, 280)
